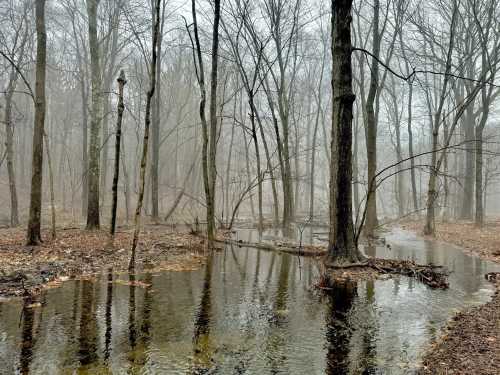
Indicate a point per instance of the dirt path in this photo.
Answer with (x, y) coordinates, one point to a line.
(470, 343)
(78, 253)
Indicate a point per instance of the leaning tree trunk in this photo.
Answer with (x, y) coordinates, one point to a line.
(147, 123)
(341, 245)
(121, 107)
(34, 236)
(93, 169)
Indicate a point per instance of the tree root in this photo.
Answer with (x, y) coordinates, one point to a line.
(432, 275)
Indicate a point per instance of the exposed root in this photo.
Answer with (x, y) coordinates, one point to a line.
(431, 275)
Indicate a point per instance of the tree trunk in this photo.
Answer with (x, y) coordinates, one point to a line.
(341, 245)
(9, 144)
(371, 127)
(95, 118)
(209, 135)
(432, 193)
(410, 149)
(34, 236)
(479, 214)
(51, 186)
(147, 123)
(155, 155)
(121, 107)
(212, 167)
(468, 172)
(9, 130)
(315, 136)
(257, 156)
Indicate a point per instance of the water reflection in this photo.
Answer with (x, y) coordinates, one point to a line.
(338, 332)
(87, 352)
(202, 346)
(244, 311)
(108, 316)
(27, 339)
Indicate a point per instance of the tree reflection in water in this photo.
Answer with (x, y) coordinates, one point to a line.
(108, 316)
(338, 334)
(202, 345)
(27, 337)
(87, 352)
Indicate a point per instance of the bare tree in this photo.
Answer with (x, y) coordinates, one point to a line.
(34, 236)
(147, 123)
(209, 134)
(93, 219)
(121, 107)
(342, 247)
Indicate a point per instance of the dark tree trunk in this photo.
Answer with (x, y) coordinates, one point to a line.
(155, 154)
(93, 221)
(341, 245)
(34, 236)
(114, 204)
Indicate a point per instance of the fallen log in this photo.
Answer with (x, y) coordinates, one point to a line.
(306, 250)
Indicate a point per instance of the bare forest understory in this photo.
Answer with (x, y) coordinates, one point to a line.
(75, 253)
(471, 341)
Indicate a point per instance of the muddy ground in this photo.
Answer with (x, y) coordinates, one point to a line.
(470, 344)
(78, 253)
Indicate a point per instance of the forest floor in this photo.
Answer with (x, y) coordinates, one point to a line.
(77, 253)
(470, 343)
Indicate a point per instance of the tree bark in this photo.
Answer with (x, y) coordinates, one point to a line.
(51, 186)
(34, 235)
(155, 155)
(121, 107)
(93, 220)
(147, 124)
(371, 127)
(341, 245)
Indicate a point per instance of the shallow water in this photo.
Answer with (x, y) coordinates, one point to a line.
(246, 311)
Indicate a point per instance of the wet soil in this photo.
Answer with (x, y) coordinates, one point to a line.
(470, 344)
(471, 341)
(76, 253)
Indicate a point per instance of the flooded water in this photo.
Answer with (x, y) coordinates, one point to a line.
(245, 312)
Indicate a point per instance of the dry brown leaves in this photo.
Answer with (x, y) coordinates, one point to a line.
(471, 344)
(76, 253)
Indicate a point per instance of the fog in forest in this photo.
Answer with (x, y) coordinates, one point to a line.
(231, 186)
(423, 75)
